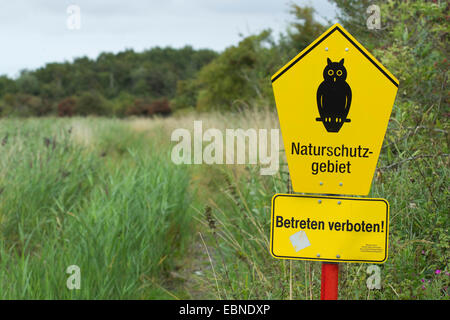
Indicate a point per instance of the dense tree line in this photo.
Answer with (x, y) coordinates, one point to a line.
(119, 84)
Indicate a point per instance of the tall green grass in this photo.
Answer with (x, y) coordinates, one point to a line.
(111, 203)
(103, 194)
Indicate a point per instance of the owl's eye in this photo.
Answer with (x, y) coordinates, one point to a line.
(339, 73)
(330, 72)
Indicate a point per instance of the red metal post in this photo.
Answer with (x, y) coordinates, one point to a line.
(329, 281)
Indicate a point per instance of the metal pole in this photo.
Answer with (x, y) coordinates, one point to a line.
(329, 281)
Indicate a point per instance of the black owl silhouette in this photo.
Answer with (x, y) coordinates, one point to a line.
(334, 96)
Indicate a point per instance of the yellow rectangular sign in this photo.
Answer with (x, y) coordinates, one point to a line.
(328, 228)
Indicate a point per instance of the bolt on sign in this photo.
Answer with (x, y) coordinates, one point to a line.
(302, 228)
(333, 100)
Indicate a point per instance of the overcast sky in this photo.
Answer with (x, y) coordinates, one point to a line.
(35, 32)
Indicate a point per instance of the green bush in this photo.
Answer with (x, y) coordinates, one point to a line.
(91, 103)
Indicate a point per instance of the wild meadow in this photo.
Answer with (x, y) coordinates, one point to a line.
(103, 194)
(91, 193)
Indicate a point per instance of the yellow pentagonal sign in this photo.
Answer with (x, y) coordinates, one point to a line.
(333, 100)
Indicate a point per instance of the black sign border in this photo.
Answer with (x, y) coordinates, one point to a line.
(337, 28)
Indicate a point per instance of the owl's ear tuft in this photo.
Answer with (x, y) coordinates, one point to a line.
(341, 62)
(328, 61)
